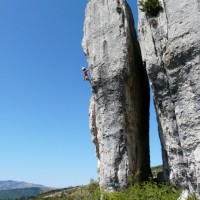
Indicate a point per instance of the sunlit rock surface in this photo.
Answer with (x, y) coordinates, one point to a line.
(170, 46)
(119, 116)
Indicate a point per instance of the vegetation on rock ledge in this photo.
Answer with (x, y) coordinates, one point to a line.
(151, 7)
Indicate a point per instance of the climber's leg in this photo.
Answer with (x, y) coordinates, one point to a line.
(87, 79)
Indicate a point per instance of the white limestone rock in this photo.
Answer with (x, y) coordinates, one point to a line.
(119, 113)
(171, 50)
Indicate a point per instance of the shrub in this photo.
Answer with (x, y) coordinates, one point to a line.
(153, 22)
(143, 191)
(119, 9)
(139, 191)
(192, 197)
(151, 7)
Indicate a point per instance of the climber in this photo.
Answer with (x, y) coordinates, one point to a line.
(85, 74)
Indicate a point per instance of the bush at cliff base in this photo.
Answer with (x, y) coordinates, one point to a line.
(144, 191)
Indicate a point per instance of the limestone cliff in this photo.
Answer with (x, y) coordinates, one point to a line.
(170, 44)
(119, 106)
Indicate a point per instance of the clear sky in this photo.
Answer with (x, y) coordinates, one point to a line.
(44, 131)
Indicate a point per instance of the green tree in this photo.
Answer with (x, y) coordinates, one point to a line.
(151, 7)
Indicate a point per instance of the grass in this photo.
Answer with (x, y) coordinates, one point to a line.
(88, 192)
(139, 191)
(143, 191)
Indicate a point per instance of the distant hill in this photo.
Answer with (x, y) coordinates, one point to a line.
(69, 193)
(20, 193)
(15, 190)
(8, 185)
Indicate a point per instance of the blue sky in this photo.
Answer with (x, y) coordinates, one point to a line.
(44, 132)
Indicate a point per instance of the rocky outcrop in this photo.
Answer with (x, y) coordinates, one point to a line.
(170, 46)
(119, 113)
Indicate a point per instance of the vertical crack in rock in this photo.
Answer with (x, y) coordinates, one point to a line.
(174, 73)
(119, 108)
(93, 126)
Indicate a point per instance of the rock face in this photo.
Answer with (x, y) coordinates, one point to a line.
(119, 115)
(170, 46)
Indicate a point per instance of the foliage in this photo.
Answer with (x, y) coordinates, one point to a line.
(119, 8)
(153, 22)
(151, 7)
(19, 193)
(134, 177)
(148, 190)
(143, 191)
(192, 197)
(88, 192)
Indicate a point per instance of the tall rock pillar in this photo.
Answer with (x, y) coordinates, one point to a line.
(119, 109)
(170, 44)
